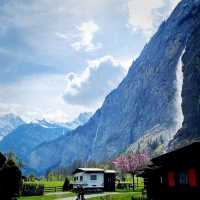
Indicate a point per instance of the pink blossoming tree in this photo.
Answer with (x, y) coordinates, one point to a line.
(131, 162)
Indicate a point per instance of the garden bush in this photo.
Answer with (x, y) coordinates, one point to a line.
(32, 189)
(67, 186)
(122, 186)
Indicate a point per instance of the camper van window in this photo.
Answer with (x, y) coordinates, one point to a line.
(75, 178)
(93, 177)
(81, 178)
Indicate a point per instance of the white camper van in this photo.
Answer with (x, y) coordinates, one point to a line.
(94, 179)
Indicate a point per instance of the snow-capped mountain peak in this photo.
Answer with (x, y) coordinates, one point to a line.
(8, 123)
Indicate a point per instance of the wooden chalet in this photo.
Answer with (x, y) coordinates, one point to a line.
(174, 175)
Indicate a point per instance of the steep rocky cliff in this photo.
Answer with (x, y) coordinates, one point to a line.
(147, 98)
(190, 130)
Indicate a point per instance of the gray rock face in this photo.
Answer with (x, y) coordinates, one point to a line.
(145, 99)
(190, 130)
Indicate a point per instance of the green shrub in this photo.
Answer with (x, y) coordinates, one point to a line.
(119, 186)
(32, 189)
(66, 185)
(122, 186)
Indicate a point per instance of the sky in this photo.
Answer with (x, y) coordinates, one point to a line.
(59, 58)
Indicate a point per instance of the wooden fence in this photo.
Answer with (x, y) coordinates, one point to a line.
(53, 189)
(129, 186)
(122, 186)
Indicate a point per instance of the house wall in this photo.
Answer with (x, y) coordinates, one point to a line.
(172, 186)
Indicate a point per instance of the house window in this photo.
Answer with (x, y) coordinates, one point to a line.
(182, 178)
(161, 180)
(81, 178)
(93, 177)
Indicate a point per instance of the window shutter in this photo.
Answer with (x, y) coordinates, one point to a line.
(171, 179)
(192, 176)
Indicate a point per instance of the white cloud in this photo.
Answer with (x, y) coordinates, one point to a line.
(41, 96)
(61, 35)
(90, 87)
(59, 97)
(43, 33)
(38, 97)
(146, 16)
(85, 37)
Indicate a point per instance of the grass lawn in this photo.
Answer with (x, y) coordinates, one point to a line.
(122, 196)
(137, 180)
(125, 194)
(49, 197)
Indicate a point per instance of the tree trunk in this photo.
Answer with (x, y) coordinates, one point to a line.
(133, 180)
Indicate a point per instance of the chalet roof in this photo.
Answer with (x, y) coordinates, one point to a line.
(89, 170)
(187, 153)
(93, 170)
(110, 171)
(147, 170)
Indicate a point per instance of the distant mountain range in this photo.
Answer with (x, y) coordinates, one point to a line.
(26, 137)
(79, 121)
(22, 138)
(8, 123)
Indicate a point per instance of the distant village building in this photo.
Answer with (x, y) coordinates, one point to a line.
(174, 175)
(94, 179)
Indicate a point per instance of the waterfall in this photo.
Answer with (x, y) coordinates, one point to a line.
(93, 143)
(178, 96)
